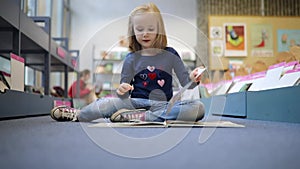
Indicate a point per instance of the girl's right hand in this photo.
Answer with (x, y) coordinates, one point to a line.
(123, 88)
(196, 74)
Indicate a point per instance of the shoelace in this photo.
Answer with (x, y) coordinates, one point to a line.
(134, 116)
(68, 113)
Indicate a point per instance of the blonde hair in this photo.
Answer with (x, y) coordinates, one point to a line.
(161, 39)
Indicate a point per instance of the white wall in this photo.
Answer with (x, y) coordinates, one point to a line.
(100, 23)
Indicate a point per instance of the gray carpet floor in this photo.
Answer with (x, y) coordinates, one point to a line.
(41, 143)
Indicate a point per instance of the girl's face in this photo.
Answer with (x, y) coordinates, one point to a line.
(145, 29)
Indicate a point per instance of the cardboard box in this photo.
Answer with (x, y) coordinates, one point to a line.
(281, 104)
(234, 104)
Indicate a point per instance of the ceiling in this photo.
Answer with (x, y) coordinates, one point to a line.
(117, 8)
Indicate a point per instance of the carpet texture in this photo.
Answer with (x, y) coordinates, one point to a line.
(40, 142)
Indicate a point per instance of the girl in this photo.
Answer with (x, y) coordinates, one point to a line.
(146, 79)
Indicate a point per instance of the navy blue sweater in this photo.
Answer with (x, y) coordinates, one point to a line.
(151, 76)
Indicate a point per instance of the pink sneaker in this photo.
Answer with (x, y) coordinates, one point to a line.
(64, 113)
(125, 115)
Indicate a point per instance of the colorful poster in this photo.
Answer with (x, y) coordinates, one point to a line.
(287, 38)
(261, 40)
(235, 39)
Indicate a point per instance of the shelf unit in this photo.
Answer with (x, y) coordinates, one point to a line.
(108, 80)
(107, 69)
(20, 35)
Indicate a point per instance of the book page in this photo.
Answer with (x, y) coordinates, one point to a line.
(224, 88)
(272, 77)
(290, 66)
(290, 78)
(246, 80)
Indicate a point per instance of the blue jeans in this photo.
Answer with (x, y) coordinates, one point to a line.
(189, 110)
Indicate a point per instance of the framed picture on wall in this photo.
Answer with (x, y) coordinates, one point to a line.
(217, 48)
(287, 39)
(215, 32)
(235, 39)
(261, 40)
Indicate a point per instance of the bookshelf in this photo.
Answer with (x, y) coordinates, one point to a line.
(107, 69)
(21, 36)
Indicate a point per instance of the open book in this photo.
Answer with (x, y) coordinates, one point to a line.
(169, 123)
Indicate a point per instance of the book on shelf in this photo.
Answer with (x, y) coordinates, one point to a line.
(272, 77)
(17, 64)
(290, 78)
(245, 82)
(104, 68)
(4, 81)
